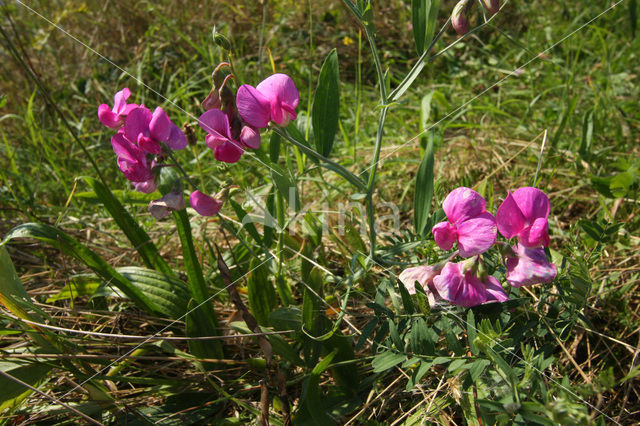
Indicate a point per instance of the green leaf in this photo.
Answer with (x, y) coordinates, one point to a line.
(424, 14)
(72, 247)
(206, 323)
(169, 294)
(139, 238)
(13, 393)
(621, 183)
(326, 105)
(477, 368)
(262, 294)
(387, 360)
(248, 226)
(274, 147)
(424, 190)
(587, 135)
(286, 186)
(312, 398)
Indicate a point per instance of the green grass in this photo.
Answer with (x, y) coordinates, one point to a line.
(580, 331)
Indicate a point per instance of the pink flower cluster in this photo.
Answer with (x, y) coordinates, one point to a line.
(233, 128)
(143, 139)
(523, 214)
(141, 142)
(140, 139)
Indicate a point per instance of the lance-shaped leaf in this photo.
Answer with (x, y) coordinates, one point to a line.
(326, 105)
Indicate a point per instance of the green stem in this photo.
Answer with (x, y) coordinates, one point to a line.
(327, 163)
(371, 182)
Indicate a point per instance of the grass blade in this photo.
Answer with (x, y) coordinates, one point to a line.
(138, 237)
(204, 318)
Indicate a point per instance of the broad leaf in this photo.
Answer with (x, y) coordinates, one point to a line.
(326, 105)
(424, 14)
(262, 295)
(424, 190)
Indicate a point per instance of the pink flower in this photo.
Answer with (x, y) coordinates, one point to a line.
(530, 266)
(424, 275)
(203, 204)
(524, 214)
(172, 201)
(114, 117)
(149, 130)
(146, 187)
(131, 160)
(274, 99)
(225, 148)
(465, 288)
(468, 223)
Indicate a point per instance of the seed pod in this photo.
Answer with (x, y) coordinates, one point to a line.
(459, 18)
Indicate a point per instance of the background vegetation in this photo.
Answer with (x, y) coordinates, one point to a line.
(563, 353)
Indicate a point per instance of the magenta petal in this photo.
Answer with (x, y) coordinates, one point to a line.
(449, 281)
(125, 149)
(509, 218)
(120, 100)
(214, 141)
(281, 87)
(215, 122)
(462, 204)
(149, 145)
(177, 140)
(250, 137)
(146, 187)
(203, 204)
(536, 234)
(160, 125)
(532, 202)
(253, 107)
(494, 291)
(228, 152)
(444, 234)
(137, 122)
(472, 292)
(108, 118)
(530, 267)
(476, 235)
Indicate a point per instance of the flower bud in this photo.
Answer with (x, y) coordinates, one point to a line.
(459, 18)
(203, 204)
(220, 40)
(492, 6)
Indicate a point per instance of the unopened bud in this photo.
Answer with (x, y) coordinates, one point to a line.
(459, 18)
(492, 6)
(220, 40)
